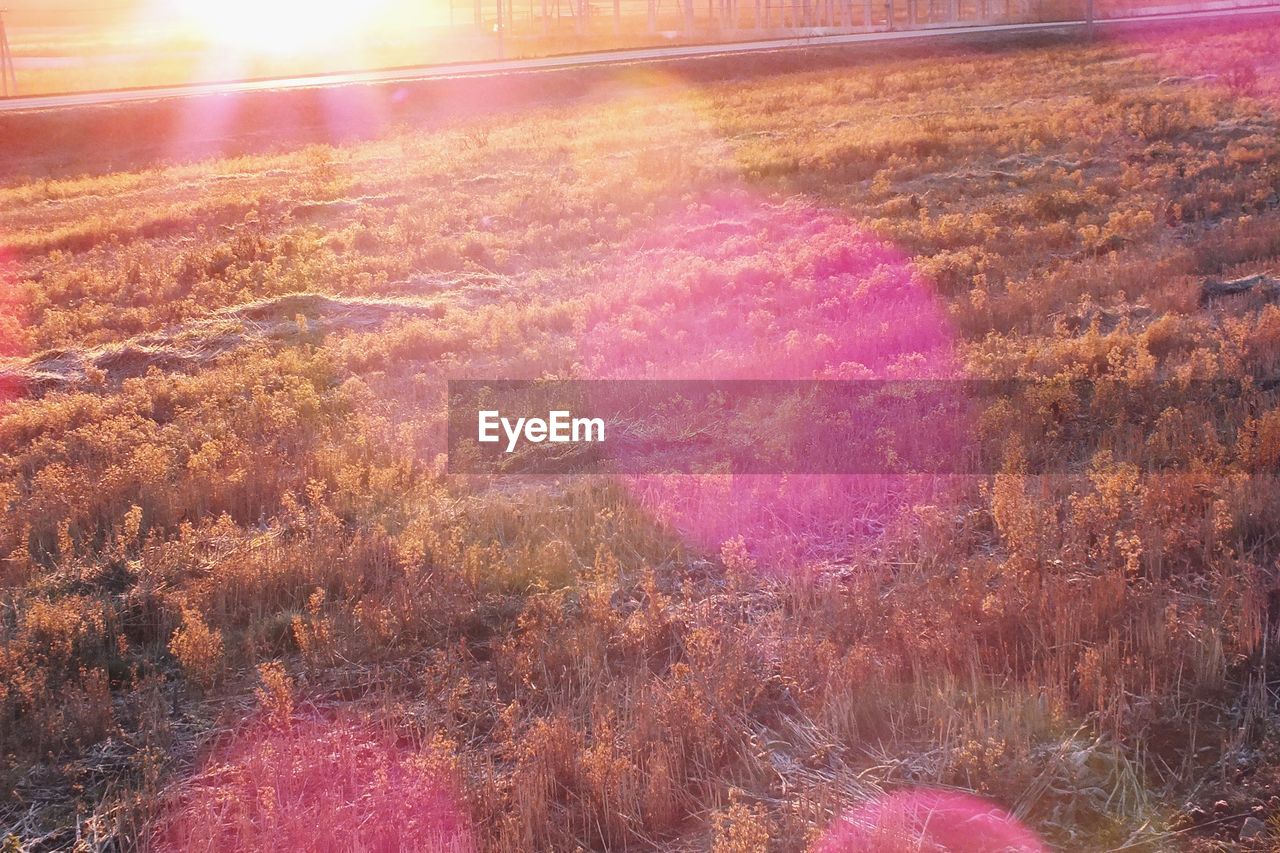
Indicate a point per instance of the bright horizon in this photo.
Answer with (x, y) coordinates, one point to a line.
(274, 26)
(68, 46)
(78, 45)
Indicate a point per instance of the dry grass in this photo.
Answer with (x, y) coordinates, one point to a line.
(242, 542)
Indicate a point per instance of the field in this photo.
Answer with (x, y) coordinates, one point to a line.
(244, 606)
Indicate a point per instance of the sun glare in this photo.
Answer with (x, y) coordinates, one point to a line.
(278, 27)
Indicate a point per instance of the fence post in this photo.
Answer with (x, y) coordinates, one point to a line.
(8, 76)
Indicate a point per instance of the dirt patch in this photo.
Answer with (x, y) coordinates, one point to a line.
(286, 319)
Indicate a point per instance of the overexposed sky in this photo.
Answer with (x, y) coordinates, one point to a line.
(44, 13)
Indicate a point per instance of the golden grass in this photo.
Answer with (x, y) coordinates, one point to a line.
(235, 546)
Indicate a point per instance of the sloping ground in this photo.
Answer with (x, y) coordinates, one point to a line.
(212, 569)
(283, 321)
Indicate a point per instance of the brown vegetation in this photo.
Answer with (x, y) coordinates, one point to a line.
(238, 555)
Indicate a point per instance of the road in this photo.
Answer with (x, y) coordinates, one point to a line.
(578, 60)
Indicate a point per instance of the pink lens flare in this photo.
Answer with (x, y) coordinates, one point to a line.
(320, 785)
(357, 112)
(739, 288)
(1237, 62)
(735, 287)
(203, 127)
(929, 821)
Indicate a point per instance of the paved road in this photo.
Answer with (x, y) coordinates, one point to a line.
(615, 57)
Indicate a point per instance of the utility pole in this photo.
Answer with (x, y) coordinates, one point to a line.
(8, 77)
(498, 28)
